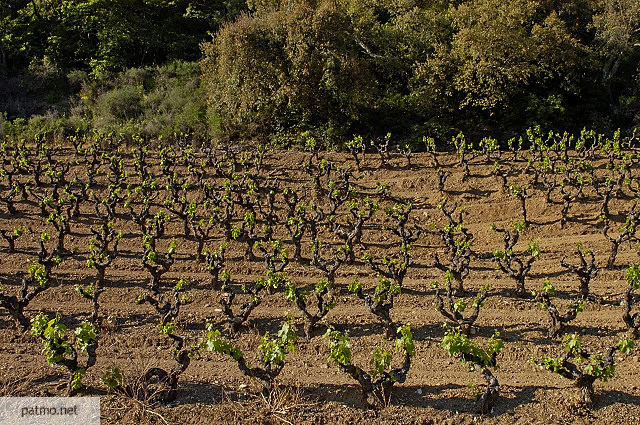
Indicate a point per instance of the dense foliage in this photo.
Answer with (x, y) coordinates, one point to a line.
(104, 35)
(281, 70)
(338, 68)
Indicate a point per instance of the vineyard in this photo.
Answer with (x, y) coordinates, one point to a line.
(238, 284)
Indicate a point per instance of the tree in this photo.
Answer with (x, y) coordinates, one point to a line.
(491, 50)
(391, 37)
(496, 52)
(287, 68)
(618, 33)
(240, 67)
(106, 35)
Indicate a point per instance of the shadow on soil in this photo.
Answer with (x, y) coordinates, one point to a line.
(608, 398)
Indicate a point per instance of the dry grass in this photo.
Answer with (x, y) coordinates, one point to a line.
(125, 409)
(137, 400)
(277, 406)
(282, 401)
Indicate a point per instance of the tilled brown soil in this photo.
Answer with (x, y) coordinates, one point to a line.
(438, 388)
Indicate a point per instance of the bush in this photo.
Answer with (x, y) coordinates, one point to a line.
(118, 105)
(155, 102)
(264, 76)
(175, 104)
(43, 127)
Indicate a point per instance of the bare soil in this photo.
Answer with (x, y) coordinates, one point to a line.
(438, 388)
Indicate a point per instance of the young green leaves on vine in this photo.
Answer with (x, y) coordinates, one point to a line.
(376, 384)
(557, 321)
(272, 352)
(629, 299)
(452, 309)
(515, 264)
(58, 350)
(586, 368)
(458, 345)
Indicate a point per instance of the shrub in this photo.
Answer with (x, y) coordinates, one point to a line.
(263, 76)
(155, 102)
(120, 104)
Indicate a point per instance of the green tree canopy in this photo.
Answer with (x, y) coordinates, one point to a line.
(332, 67)
(107, 35)
(504, 55)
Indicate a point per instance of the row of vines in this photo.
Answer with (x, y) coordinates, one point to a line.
(209, 208)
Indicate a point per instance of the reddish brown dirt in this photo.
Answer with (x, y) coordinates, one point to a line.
(310, 390)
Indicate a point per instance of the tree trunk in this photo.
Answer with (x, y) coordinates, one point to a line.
(614, 253)
(586, 393)
(488, 398)
(459, 291)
